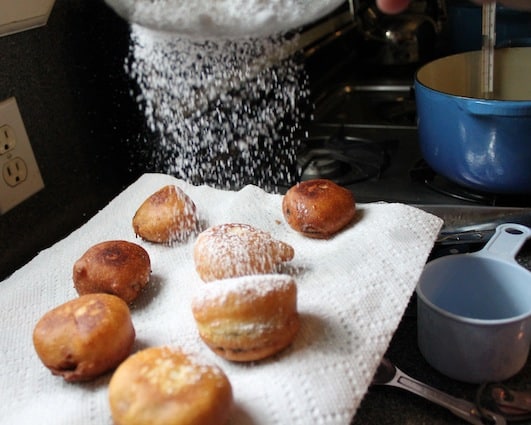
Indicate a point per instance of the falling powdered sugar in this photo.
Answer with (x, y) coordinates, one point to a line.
(224, 112)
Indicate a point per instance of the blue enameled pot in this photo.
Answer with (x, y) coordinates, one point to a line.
(483, 144)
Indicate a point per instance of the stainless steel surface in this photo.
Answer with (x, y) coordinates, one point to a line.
(367, 104)
(389, 374)
(474, 224)
(462, 218)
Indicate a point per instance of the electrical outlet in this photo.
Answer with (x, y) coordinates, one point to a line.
(7, 139)
(20, 177)
(15, 171)
(21, 15)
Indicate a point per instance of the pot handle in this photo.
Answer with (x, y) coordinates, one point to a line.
(506, 242)
(505, 108)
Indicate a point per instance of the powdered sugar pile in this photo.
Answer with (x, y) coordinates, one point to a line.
(225, 112)
(223, 18)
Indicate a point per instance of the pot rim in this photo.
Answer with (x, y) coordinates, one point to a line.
(418, 81)
(518, 102)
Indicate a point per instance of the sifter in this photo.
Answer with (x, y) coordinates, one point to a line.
(207, 19)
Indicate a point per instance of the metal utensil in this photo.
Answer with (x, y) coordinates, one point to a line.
(221, 19)
(474, 224)
(511, 399)
(514, 405)
(389, 374)
(487, 50)
(208, 93)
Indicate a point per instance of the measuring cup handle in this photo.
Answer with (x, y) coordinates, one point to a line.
(506, 241)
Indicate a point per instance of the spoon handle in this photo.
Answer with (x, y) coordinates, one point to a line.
(459, 407)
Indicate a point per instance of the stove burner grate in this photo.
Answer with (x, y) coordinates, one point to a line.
(401, 111)
(368, 105)
(342, 159)
(423, 173)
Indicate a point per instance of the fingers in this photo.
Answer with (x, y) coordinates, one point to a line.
(392, 6)
(397, 6)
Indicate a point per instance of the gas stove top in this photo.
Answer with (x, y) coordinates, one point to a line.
(385, 164)
(363, 129)
(364, 137)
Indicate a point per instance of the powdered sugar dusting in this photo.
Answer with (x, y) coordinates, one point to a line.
(247, 289)
(223, 112)
(234, 249)
(173, 369)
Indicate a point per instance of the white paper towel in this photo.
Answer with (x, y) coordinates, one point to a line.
(352, 292)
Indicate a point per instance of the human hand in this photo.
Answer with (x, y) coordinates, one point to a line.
(396, 6)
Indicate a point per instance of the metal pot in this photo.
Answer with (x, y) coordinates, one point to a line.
(474, 310)
(483, 144)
